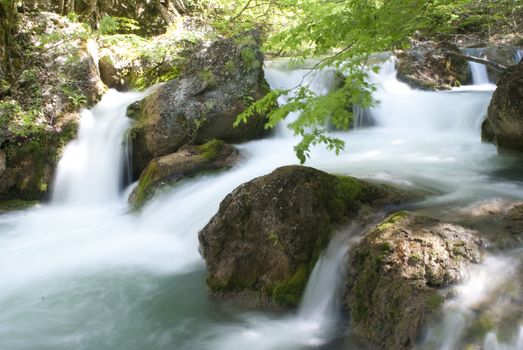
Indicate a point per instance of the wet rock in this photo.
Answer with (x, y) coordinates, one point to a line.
(432, 66)
(217, 84)
(504, 123)
(269, 232)
(514, 222)
(396, 271)
(188, 161)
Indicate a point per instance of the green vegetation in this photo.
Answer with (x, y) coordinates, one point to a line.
(392, 220)
(211, 149)
(290, 291)
(145, 182)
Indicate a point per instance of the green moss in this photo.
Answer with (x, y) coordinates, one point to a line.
(434, 300)
(273, 238)
(144, 184)
(480, 327)
(211, 149)
(248, 56)
(343, 196)
(16, 204)
(290, 291)
(208, 76)
(392, 220)
(230, 67)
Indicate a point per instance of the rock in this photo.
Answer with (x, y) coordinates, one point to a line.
(269, 232)
(30, 164)
(188, 161)
(203, 103)
(110, 75)
(514, 222)
(429, 66)
(396, 271)
(504, 123)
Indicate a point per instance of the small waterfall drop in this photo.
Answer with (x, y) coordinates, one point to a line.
(93, 165)
(317, 320)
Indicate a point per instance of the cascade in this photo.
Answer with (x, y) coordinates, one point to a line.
(92, 166)
(99, 277)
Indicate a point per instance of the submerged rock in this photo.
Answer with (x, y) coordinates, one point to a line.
(432, 66)
(216, 85)
(396, 271)
(269, 232)
(504, 123)
(188, 161)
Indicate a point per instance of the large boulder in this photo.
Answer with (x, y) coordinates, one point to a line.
(216, 85)
(504, 123)
(187, 161)
(396, 271)
(428, 65)
(269, 232)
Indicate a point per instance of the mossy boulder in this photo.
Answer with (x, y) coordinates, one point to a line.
(218, 82)
(428, 65)
(30, 162)
(269, 232)
(188, 161)
(396, 271)
(15, 204)
(504, 123)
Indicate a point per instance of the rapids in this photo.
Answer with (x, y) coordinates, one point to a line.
(83, 272)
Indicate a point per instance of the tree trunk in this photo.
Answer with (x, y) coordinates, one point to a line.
(494, 65)
(8, 44)
(163, 12)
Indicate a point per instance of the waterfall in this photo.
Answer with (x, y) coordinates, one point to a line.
(101, 277)
(479, 73)
(93, 166)
(321, 300)
(316, 321)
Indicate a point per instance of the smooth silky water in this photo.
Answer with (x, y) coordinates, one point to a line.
(84, 272)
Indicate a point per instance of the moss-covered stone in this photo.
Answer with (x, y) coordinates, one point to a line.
(270, 231)
(396, 272)
(188, 161)
(289, 292)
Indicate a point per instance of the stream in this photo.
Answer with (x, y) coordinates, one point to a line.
(84, 272)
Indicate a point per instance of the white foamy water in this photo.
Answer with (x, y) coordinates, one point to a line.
(85, 273)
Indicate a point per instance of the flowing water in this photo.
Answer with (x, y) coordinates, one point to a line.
(85, 273)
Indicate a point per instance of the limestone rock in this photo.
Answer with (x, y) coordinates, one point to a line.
(395, 273)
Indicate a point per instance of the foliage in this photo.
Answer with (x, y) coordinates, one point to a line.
(112, 25)
(347, 32)
(74, 95)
